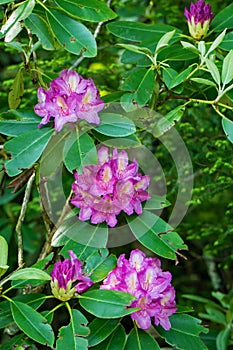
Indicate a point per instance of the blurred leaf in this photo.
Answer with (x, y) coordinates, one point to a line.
(29, 273)
(79, 151)
(141, 32)
(204, 81)
(227, 71)
(223, 19)
(107, 303)
(184, 332)
(26, 149)
(164, 40)
(227, 42)
(101, 269)
(155, 234)
(71, 336)
(137, 49)
(176, 53)
(190, 46)
(17, 127)
(100, 330)
(216, 42)
(156, 202)
(32, 323)
(17, 90)
(40, 28)
(228, 128)
(116, 341)
(214, 315)
(115, 125)
(4, 1)
(223, 338)
(13, 27)
(140, 340)
(3, 256)
(72, 35)
(181, 77)
(92, 11)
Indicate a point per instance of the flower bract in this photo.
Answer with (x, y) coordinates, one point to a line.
(199, 17)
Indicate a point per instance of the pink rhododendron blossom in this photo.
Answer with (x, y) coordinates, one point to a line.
(64, 274)
(102, 191)
(199, 17)
(144, 278)
(69, 98)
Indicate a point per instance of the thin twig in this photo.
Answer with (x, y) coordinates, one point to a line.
(96, 32)
(18, 228)
(47, 248)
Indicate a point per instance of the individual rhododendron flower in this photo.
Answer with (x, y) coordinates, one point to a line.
(199, 17)
(68, 278)
(144, 278)
(102, 191)
(69, 98)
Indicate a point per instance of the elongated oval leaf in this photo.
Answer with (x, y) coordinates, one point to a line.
(224, 19)
(184, 332)
(72, 35)
(223, 338)
(116, 341)
(91, 10)
(227, 42)
(140, 340)
(30, 273)
(26, 149)
(213, 69)
(81, 232)
(3, 256)
(79, 151)
(155, 234)
(71, 336)
(32, 323)
(227, 71)
(216, 42)
(100, 330)
(40, 28)
(115, 125)
(17, 127)
(204, 81)
(12, 26)
(228, 128)
(107, 303)
(16, 91)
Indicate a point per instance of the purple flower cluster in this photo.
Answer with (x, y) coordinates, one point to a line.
(144, 278)
(199, 17)
(69, 98)
(64, 274)
(102, 191)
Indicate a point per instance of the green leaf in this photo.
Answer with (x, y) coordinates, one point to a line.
(223, 338)
(137, 49)
(30, 273)
(156, 202)
(203, 81)
(223, 19)
(17, 127)
(227, 42)
(184, 332)
(141, 83)
(91, 10)
(71, 336)
(79, 151)
(121, 142)
(100, 330)
(156, 235)
(228, 128)
(3, 256)
(164, 40)
(13, 27)
(141, 32)
(213, 69)
(26, 149)
(115, 125)
(189, 46)
(116, 341)
(227, 71)
(165, 123)
(214, 315)
(82, 251)
(17, 90)
(81, 232)
(140, 340)
(40, 28)
(2, 2)
(34, 300)
(216, 42)
(32, 323)
(107, 303)
(181, 77)
(101, 270)
(72, 35)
